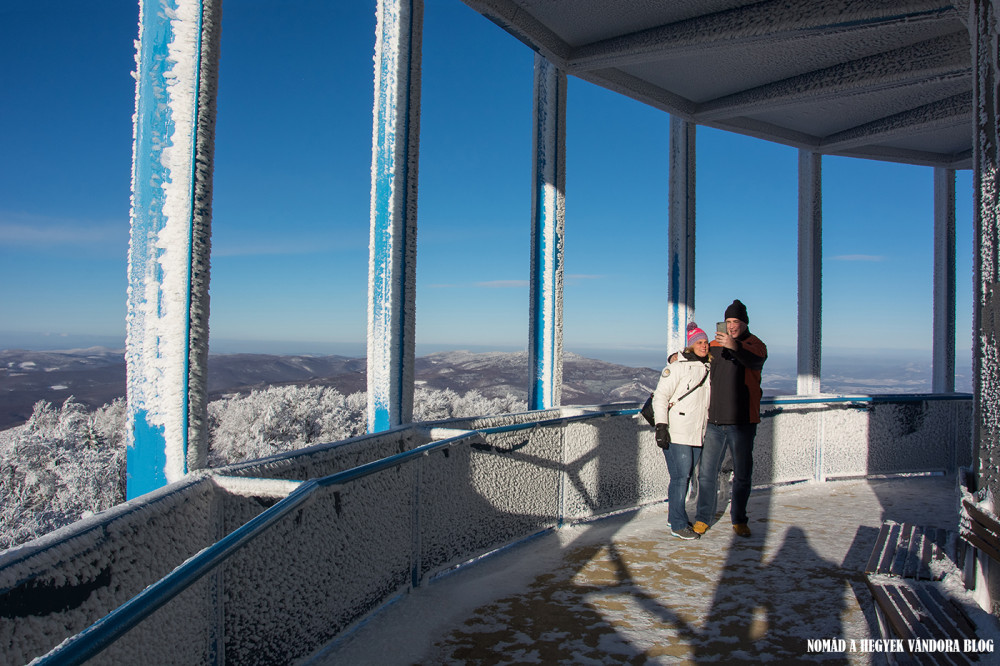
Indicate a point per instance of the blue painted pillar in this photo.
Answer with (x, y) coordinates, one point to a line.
(681, 234)
(548, 188)
(393, 244)
(943, 361)
(810, 272)
(168, 265)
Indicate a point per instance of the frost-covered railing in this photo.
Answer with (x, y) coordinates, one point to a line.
(271, 560)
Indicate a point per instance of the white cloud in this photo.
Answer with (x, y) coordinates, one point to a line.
(285, 247)
(48, 232)
(502, 284)
(512, 284)
(573, 278)
(857, 257)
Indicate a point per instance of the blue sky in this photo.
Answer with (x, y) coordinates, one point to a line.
(290, 224)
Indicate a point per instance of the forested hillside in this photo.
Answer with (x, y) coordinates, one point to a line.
(67, 461)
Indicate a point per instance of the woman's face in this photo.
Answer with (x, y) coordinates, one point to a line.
(700, 348)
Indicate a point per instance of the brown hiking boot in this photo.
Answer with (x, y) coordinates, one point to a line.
(741, 529)
(700, 527)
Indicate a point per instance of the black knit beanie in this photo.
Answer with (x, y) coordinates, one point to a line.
(738, 311)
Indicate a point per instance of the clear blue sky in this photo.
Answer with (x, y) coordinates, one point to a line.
(292, 194)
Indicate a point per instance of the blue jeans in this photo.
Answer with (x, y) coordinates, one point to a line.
(739, 438)
(681, 461)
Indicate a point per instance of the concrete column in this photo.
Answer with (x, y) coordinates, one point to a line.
(943, 362)
(169, 251)
(986, 298)
(810, 272)
(548, 188)
(393, 244)
(681, 235)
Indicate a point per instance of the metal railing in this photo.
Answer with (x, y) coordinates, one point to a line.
(97, 637)
(91, 641)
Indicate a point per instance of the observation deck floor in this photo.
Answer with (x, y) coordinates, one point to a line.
(623, 590)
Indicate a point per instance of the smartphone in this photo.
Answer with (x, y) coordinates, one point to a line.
(720, 327)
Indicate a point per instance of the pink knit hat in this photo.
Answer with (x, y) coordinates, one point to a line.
(695, 334)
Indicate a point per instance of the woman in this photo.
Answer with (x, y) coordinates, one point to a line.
(680, 404)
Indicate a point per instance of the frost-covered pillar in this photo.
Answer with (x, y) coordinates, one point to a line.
(168, 269)
(392, 261)
(681, 230)
(548, 187)
(810, 271)
(986, 302)
(943, 362)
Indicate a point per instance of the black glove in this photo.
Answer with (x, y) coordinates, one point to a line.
(662, 436)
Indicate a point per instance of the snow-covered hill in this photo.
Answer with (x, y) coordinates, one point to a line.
(96, 376)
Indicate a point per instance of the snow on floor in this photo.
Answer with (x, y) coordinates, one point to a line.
(622, 590)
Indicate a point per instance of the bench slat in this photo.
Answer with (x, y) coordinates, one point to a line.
(927, 550)
(875, 558)
(892, 616)
(911, 611)
(898, 566)
(919, 611)
(981, 517)
(906, 551)
(961, 619)
(981, 545)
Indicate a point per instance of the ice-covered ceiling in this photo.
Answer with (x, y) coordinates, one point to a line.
(880, 79)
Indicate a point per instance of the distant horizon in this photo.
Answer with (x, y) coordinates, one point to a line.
(872, 369)
(38, 341)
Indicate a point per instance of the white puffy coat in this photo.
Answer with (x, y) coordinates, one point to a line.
(685, 419)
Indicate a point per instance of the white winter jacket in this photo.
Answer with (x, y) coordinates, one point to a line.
(685, 419)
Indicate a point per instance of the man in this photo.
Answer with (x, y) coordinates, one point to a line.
(733, 415)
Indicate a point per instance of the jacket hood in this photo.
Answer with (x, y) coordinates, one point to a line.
(689, 355)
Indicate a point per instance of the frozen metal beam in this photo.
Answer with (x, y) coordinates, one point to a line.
(810, 272)
(511, 17)
(681, 233)
(938, 60)
(548, 187)
(770, 21)
(984, 26)
(943, 362)
(393, 242)
(169, 249)
(953, 111)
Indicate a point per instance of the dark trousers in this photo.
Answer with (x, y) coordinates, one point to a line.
(739, 439)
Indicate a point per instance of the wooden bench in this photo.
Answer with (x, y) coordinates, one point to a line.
(901, 573)
(981, 531)
(909, 551)
(908, 610)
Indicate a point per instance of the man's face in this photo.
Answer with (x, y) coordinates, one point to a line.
(735, 327)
